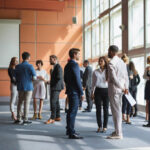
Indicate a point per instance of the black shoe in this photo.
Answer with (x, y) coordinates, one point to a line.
(27, 122)
(66, 110)
(135, 114)
(146, 125)
(75, 136)
(86, 111)
(67, 133)
(17, 122)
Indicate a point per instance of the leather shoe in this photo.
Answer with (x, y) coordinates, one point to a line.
(57, 119)
(86, 111)
(146, 125)
(27, 122)
(74, 136)
(50, 121)
(67, 133)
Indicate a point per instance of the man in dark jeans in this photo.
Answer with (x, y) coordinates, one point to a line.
(56, 85)
(87, 84)
(73, 90)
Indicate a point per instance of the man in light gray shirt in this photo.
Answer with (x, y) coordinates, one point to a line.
(118, 83)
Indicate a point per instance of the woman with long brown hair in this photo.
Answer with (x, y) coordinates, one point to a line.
(100, 93)
(134, 82)
(13, 86)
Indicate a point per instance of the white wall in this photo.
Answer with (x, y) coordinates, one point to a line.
(9, 41)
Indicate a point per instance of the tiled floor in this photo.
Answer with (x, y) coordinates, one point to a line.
(39, 136)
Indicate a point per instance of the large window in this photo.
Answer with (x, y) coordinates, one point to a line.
(95, 39)
(95, 9)
(147, 23)
(115, 32)
(136, 24)
(87, 43)
(87, 12)
(114, 2)
(104, 35)
(104, 4)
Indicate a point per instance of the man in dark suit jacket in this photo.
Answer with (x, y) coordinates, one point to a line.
(73, 90)
(56, 85)
(87, 84)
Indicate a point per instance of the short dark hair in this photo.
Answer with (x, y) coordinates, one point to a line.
(114, 48)
(25, 55)
(53, 56)
(39, 62)
(86, 61)
(73, 51)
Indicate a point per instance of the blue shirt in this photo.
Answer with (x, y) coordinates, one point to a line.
(24, 74)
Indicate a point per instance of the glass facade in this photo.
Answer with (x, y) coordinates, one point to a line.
(136, 25)
(115, 31)
(107, 22)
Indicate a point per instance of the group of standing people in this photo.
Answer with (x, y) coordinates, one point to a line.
(109, 83)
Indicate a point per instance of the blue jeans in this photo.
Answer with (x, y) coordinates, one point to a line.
(72, 112)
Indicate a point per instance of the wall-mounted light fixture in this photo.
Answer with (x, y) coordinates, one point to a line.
(74, 18)
(122, 27)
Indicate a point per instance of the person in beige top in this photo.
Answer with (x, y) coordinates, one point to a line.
(118, 83)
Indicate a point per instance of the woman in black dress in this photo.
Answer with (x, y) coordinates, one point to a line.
(147, 87)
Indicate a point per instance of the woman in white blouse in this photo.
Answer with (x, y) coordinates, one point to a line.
(39, 89)
(100, 93)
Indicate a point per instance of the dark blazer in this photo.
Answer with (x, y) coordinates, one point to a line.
(11, 73)
(134, 82)
(87, 77)
(72, 78)
(56, 82)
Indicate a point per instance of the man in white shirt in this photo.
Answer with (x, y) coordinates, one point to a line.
(118, 83)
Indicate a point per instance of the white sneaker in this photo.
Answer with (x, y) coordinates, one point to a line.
(115, 136)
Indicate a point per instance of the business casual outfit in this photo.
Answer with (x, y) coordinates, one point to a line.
(39, 91)
(74, 92)
(146, 76)
(133, 90)
(13, 89)
(24, 73)
(87, 84)
(56, 85)
(117, 82)
(100, 86)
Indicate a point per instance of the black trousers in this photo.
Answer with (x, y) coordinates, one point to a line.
(55, 107)
(101, 98)
(149, 112)
(88, 98)
(126, 107)
(134, 93)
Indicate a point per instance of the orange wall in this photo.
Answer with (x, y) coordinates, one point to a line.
(43, 33)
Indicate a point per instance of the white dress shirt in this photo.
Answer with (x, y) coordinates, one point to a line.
(99, 79)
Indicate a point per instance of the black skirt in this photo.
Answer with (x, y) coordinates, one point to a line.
(147, 90)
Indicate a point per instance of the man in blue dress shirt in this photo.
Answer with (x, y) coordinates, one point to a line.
(24, 73)
(73, 90)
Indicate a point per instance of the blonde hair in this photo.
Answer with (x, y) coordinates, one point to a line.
(148, 60)
(125, 58)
